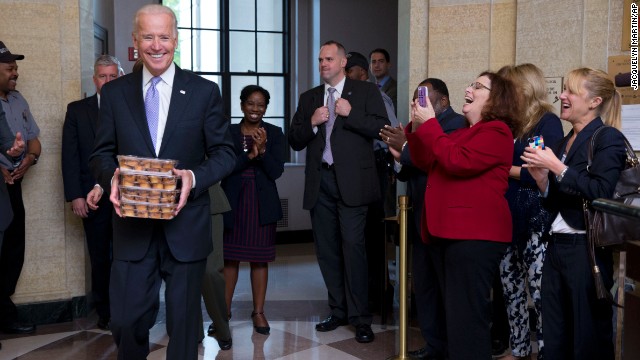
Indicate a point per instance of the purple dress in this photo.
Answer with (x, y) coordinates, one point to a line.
(248, 240)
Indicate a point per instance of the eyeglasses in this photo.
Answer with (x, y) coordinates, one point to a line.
(476, 85)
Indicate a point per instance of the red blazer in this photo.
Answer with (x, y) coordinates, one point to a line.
(468, 173)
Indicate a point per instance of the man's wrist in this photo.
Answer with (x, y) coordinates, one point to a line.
(35, 156)
(99, 187)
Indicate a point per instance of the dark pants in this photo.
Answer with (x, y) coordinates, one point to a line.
(12, 257)
(213, 284)
(99, 234)
(576, 325)
(375, 242)
(338, 231)
(466, 270)
(135, 287)
(429, 299)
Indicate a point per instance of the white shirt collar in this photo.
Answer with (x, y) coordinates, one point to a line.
(339, 87)
(166, 76)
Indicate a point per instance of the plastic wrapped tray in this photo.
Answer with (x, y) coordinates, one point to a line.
(153, 165)
(148, 181)
(147, 210)
(153, 196)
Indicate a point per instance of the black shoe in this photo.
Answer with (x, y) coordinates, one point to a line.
(264, 330)
(330, 323)
(225, 344)
(364, 334)
(212, 329)
(103, 323)
(423, 354)
(18, 328)
(498, 347)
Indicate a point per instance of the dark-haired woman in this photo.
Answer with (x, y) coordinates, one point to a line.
(250, 227)
(466, 215)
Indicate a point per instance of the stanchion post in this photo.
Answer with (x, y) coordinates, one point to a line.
(403, 202)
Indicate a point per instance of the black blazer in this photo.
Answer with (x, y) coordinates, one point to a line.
(269, 168)
(196, 134)
(78, 135)
(6, 142)
(351, 142)
(608, 161)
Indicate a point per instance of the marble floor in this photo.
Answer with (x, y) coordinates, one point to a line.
(296, 300)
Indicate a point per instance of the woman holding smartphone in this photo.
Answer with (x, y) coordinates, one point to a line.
(466, 216)
(521, 266)
(577, 325)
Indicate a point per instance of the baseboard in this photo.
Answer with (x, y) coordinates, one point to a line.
(52, 312)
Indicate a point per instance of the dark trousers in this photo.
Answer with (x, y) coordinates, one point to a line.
(338, 231)
(575, 324)
(135, 287)
(12, 257)
(213, 284)
(466, 270)
(429, 299)
(375, 242)
(99, 234)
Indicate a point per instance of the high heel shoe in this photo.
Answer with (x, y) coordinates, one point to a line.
(264, 330)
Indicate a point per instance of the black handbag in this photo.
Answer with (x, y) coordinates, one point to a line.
(605, 229)
(608, 229)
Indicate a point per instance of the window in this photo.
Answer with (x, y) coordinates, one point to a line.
(237, 43)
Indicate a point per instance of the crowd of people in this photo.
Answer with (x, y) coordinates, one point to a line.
(486, 203)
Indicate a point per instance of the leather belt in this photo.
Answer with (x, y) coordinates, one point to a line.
(569, 239)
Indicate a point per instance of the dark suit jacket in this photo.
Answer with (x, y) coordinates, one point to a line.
(6, 141)
(417, 179)
(467, 180)
(351, 142)
(78, 135)
(267, 170)
(391, 89)
(196, 135)
(578, 183)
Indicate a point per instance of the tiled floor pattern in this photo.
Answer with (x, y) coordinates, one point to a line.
(296, 300)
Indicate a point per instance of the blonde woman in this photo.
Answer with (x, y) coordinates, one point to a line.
(521, 266)
(576, 324)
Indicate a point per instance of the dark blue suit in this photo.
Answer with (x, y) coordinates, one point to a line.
(575, 324)
(78, 135)
(147, 251)
(429, 300)
(269, 168)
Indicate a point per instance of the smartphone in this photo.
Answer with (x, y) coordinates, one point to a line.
(423, 93)
(536, 142)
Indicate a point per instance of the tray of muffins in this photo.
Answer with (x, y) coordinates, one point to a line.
(148, 188)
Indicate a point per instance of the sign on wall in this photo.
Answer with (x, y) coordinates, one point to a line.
(554, 89)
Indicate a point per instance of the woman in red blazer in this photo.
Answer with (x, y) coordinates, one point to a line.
(466, 216)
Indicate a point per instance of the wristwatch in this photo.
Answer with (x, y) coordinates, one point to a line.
(561, 176)
(35, 158)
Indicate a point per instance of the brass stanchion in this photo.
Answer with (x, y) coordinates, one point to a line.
(403, 201)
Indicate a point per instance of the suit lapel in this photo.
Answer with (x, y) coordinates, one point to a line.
(180, 95)
(133, 97)
(93, 113)
(583, 136)
(318, 101)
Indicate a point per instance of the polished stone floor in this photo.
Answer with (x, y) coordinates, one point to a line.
(296, 300)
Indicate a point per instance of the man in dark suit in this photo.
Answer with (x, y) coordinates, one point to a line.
(341, 181)
(380, 65)
(9, 148)
(165, 112)
(78, 135)
(429, 300)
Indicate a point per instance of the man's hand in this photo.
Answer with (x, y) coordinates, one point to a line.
(187, 183)
(320, 116)
(93, 197)
(6, 175)
(79, 207)
(18, 146)
(393, 137)
(115, 192)
(25, 164)
(343, 108)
